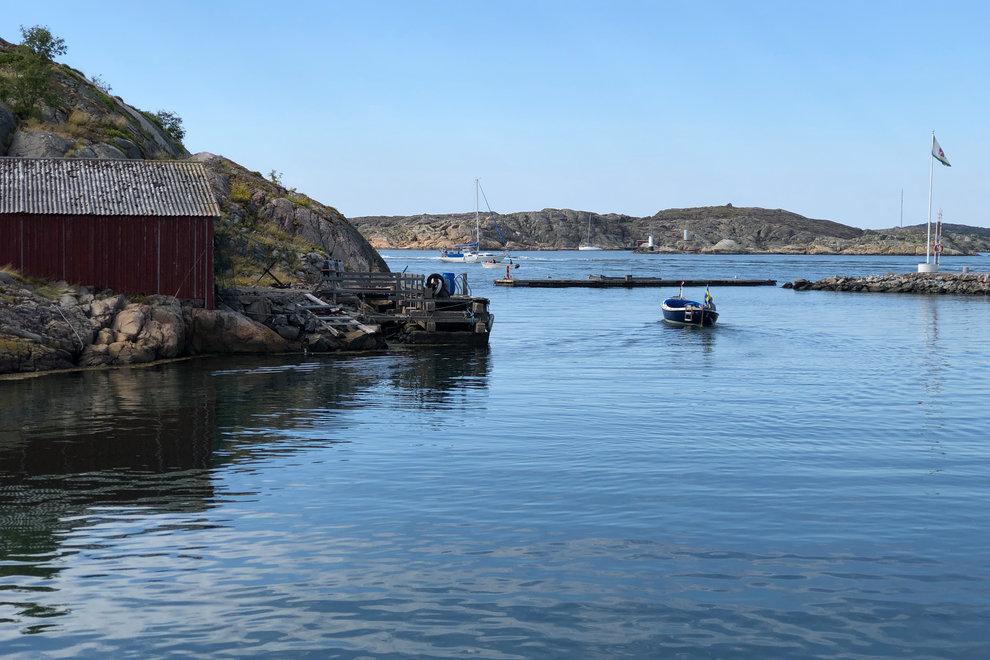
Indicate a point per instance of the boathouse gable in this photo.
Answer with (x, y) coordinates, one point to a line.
(133, 226)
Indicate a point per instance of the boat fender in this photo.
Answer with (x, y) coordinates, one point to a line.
(437, 283)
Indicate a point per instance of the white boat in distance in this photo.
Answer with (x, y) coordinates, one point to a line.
(467, 253)
(587, 243)
(492, 263)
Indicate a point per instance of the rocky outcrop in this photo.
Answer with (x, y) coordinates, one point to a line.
(257, 211)
(38, 144)
(263, 225)
(133, 333)
(220, 331)
(549, 229)
(81, 329)
(710, 229)
(37, 334)
(81, 118)
(976, 284)
(286, 312)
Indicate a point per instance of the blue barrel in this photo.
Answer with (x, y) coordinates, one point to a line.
(449, 278)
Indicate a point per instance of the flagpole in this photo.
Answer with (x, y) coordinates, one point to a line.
(931, 178)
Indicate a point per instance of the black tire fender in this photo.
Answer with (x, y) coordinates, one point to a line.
(437, 283)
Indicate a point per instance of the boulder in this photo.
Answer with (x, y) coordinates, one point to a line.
(129, 322)
(102, 151)
(125, 352)
(39, 144)
(95, 355)
(726, 245)
(103, 310)
(128, 148)
(104, 337)
(164, 332)
(218, 331)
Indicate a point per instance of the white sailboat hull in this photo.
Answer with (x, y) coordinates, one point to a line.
(467, 258)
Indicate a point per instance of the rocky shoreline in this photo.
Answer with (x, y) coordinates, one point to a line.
(82, 328)
(963, 284)
(86, 329)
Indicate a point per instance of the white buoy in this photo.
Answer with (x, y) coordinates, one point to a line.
(687, 234)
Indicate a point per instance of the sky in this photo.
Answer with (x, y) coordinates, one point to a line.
(825, 109)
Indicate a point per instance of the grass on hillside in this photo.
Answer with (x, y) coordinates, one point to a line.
(44, 288)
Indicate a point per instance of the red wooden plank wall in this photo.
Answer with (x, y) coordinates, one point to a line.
(135, 255)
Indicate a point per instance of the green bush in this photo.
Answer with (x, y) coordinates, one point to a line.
(239, 192)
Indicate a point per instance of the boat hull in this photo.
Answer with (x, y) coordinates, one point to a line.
(678, 311)
(469, 257)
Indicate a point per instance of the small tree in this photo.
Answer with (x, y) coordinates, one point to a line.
(40, 41)
(171, 123)
(26, 71)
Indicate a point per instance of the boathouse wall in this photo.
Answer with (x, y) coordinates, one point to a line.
(136, 227)
(134, 255)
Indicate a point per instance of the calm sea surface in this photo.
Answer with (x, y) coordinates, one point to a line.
(811, 478)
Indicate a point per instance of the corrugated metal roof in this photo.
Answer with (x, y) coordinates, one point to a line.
(77, 186)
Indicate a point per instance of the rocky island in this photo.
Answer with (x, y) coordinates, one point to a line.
(725, 229)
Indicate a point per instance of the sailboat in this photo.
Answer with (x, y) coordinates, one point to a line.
(587, 245)
(467, 253)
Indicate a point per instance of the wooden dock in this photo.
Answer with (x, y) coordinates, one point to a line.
(407, 309)
(602, 282)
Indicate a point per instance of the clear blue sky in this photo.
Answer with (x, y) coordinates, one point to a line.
(395, 107)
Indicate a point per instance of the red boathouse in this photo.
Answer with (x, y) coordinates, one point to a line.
(133, 226)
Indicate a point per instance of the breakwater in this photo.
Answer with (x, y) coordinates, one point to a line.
(973, 284)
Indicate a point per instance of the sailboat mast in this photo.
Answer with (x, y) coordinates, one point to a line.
(931, 177)
(477, 223)
(938, 237)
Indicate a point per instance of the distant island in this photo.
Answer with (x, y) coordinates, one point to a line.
(709, 229)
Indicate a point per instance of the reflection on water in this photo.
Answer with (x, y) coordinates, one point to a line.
(96, 448)
(70, 444)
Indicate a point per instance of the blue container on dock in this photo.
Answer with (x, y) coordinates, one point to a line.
(449, 279)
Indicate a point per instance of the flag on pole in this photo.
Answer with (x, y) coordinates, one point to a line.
(708, 297)
(938, 153)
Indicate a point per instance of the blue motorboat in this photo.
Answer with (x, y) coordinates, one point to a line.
(681, 311)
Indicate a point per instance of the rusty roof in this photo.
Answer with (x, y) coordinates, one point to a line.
(77, 186)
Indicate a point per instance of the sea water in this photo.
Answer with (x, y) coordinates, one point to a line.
(807, 479)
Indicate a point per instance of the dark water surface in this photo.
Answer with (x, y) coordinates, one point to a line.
(809, 479)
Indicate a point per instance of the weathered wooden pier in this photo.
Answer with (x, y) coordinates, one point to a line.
(410, 308)
(628, 281)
